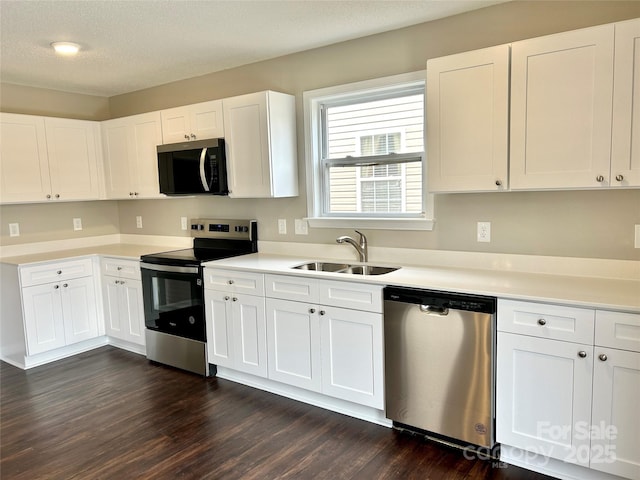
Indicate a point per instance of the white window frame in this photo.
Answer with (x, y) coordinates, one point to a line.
(313, 99)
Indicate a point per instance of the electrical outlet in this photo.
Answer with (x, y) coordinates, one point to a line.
(302, 227)
(484, 231)
(282, 226)
(14, 229)
(637, 239)
(183, 223)
(77, 224)
(138, 221)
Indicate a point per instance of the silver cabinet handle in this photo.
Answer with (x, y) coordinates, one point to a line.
(619, 177)
(582, 354)
(498, 182)
(603, 357)
(203, 176)
(542, 321)
(312, 310)
(600, 179)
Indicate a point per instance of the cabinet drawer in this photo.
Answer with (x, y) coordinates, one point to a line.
(234, 281)
(547, 321)
(357, 296)
(52, 272)
(298, 289)
(618, 330)
(117, 267)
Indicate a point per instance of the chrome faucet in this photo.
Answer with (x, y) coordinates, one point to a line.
(360, 246)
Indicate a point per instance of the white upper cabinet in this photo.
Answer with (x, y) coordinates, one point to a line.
(260, 142)
(561, 91)
(467, 113)
(130, 156)
(46, 159)
(24, 164)
(625, 146)
(192, 122)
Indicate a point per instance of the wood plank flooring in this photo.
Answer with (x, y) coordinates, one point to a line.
(111, 414)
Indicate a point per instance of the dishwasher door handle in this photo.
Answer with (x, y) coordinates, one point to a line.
(434, 310)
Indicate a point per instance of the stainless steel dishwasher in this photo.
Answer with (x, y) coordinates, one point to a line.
(440, 364)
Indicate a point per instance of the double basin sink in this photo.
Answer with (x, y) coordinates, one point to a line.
(345, 268)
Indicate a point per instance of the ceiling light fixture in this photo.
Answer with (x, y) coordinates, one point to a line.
(66, 48)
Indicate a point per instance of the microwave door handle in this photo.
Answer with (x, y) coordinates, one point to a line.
(203, 176)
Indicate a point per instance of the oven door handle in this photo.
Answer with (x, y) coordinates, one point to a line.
(203, 175)
(169, 268)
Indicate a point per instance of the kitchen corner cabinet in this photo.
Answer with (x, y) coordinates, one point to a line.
(561, 110)
(122, 299)
(467, 112)
(235, 313)
(59, 304)
(130, 156)
(47, 159)
(625, 140)
(192, 122)
(560, 396)
(260, 142)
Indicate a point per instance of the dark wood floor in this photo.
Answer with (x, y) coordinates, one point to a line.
(111, 414)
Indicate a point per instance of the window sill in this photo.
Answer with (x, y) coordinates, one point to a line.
(372, 223)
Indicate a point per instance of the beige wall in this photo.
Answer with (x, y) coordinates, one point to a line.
(597, 224)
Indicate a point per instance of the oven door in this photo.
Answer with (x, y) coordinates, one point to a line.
(174, 300)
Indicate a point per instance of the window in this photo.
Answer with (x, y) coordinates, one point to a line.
(365, 154)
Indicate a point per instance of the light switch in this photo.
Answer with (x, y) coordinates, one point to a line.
(138, 221)
(77, 224)
(282, 226)
(637, 240)
(183, 223)
(302, 227)
(14, 229)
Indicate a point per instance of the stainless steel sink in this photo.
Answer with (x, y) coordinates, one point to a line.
(346, 268)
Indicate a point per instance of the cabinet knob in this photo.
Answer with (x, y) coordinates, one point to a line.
(312, 310)
(119, 268)
(600, 179)
(230, 282)
(226, 297)
(582, 354)
(48, 196)
(498, 183)
(193, 137)
(55, 287)
(542, 321)
(57, 195)
(234, 299)
(322, 312)
(619, 177)
(65, 285)
(186, 136)
(135, 193)
(131, 194)
(122, 282)
(603, 357)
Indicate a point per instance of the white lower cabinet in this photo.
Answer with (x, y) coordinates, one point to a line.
(575, 402)
(59, 313)
(122, 298)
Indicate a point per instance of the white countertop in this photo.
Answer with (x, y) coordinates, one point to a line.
(120, 250)
(612, 294)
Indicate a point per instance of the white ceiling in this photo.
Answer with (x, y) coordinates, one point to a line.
(129, 45)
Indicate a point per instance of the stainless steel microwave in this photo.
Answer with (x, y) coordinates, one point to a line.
(193, 168)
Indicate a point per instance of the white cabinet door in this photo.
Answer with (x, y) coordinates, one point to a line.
(192, 122)
(625, 146)
(219, 328)
(43, 318)
(260, 142)
(132, 310)
(293, 343)
(73, 151)
(561, 90)
(249, 334)
(467, 111)
(130, 156)
(544, 396)
(24, 164)
(114, 322)
(352, 355)
(615, 419)
(79, 309)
